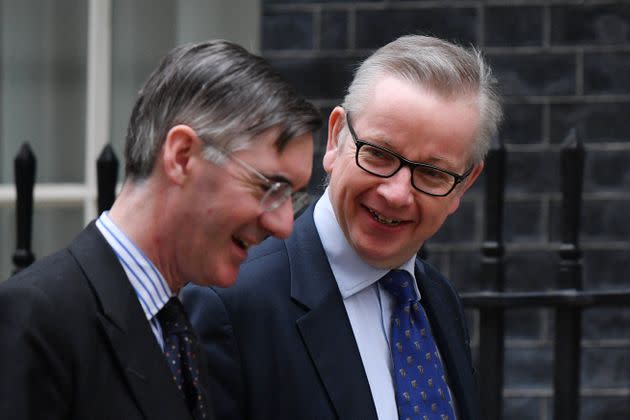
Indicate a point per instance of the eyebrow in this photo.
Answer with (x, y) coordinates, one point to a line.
(437, 161)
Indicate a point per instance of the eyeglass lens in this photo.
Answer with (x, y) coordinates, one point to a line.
(382, 163)
(280, 192)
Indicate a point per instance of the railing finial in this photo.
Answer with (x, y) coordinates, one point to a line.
(24, 166)
(107, 176)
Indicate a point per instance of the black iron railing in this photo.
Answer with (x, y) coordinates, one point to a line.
(25, 166)
(568, 301)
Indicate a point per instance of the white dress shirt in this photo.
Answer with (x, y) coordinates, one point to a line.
(150, 286)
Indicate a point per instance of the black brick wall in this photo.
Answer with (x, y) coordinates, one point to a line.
(561, 63)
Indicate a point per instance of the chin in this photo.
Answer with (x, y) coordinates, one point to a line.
(375, 257)
(218, 278)
(225, 279)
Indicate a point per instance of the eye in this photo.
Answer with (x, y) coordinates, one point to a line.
(430, 177)
(376, 155)
(430, 173)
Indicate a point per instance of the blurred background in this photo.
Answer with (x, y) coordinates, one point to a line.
(70, 69)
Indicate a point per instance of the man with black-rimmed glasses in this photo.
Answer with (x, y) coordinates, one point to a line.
(341, 319)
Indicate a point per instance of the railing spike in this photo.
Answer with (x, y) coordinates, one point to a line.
(568, 334)
(24, 166)
(107, 176)
(491, 320)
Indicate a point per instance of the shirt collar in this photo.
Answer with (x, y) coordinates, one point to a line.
(351, 272)
(150, 286)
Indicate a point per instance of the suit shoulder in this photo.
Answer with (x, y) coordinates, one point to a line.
(267, 262)
(435, 276)
(266, 248)
(48, 274)
(430, 270)
(55, 280)
(43, 299)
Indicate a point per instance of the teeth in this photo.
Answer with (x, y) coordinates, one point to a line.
(384, 220)
(242, 243)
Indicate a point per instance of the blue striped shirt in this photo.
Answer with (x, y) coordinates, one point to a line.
(150, 286)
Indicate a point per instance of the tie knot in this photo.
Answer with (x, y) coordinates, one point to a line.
(173, 318)
(398, 283)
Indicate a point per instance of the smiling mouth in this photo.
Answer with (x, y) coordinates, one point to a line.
(241, 243)
(383, 220)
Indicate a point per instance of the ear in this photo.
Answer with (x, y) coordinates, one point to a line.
(461, 189)
(336, 122)
(180, 146)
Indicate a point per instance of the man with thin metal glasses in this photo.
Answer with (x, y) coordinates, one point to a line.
(218, 153)
(342, 320)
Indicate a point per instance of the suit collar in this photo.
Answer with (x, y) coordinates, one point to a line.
(142, 274)
(325, 328)
(125, 325)
(312, 281)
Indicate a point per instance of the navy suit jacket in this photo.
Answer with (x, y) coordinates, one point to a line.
(76, 344)
(280, 344)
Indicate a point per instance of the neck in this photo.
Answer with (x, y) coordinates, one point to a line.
(141, 211)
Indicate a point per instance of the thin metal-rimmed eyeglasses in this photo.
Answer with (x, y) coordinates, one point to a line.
(384, 163)
(276, 193)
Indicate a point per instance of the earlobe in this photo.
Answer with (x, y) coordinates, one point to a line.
(179, 146)
(335, 125)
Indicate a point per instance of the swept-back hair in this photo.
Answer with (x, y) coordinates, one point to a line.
(223, 92)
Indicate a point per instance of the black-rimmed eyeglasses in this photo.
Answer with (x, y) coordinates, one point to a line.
(384, 163)
(276, 193)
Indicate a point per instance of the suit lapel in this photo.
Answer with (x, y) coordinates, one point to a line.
(446, 326)
(124, 323)
(325, 328)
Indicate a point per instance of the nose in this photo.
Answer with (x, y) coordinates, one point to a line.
(397, 189)
(278, 222)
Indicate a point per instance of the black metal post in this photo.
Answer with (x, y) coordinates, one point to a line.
(107, 176)
(568, 319)
(491, 320)
(24, 166)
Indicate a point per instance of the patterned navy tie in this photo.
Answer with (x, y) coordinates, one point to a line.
(180, 349)
(419, 378)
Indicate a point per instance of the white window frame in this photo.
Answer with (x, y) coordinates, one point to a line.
(99, 93)
(97, 131)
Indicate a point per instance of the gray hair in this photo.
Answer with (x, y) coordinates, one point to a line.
(224, 93)
(445, 68)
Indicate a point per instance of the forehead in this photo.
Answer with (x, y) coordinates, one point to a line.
(418, 123)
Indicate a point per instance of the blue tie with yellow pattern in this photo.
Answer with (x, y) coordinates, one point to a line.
(419, 377)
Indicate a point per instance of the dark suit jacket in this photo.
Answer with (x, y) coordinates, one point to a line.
(280, 344)
(75, 343)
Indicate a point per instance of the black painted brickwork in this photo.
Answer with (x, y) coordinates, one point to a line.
(561, 64)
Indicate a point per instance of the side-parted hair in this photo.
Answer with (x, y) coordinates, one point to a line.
(224, 93)
(446, 69)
